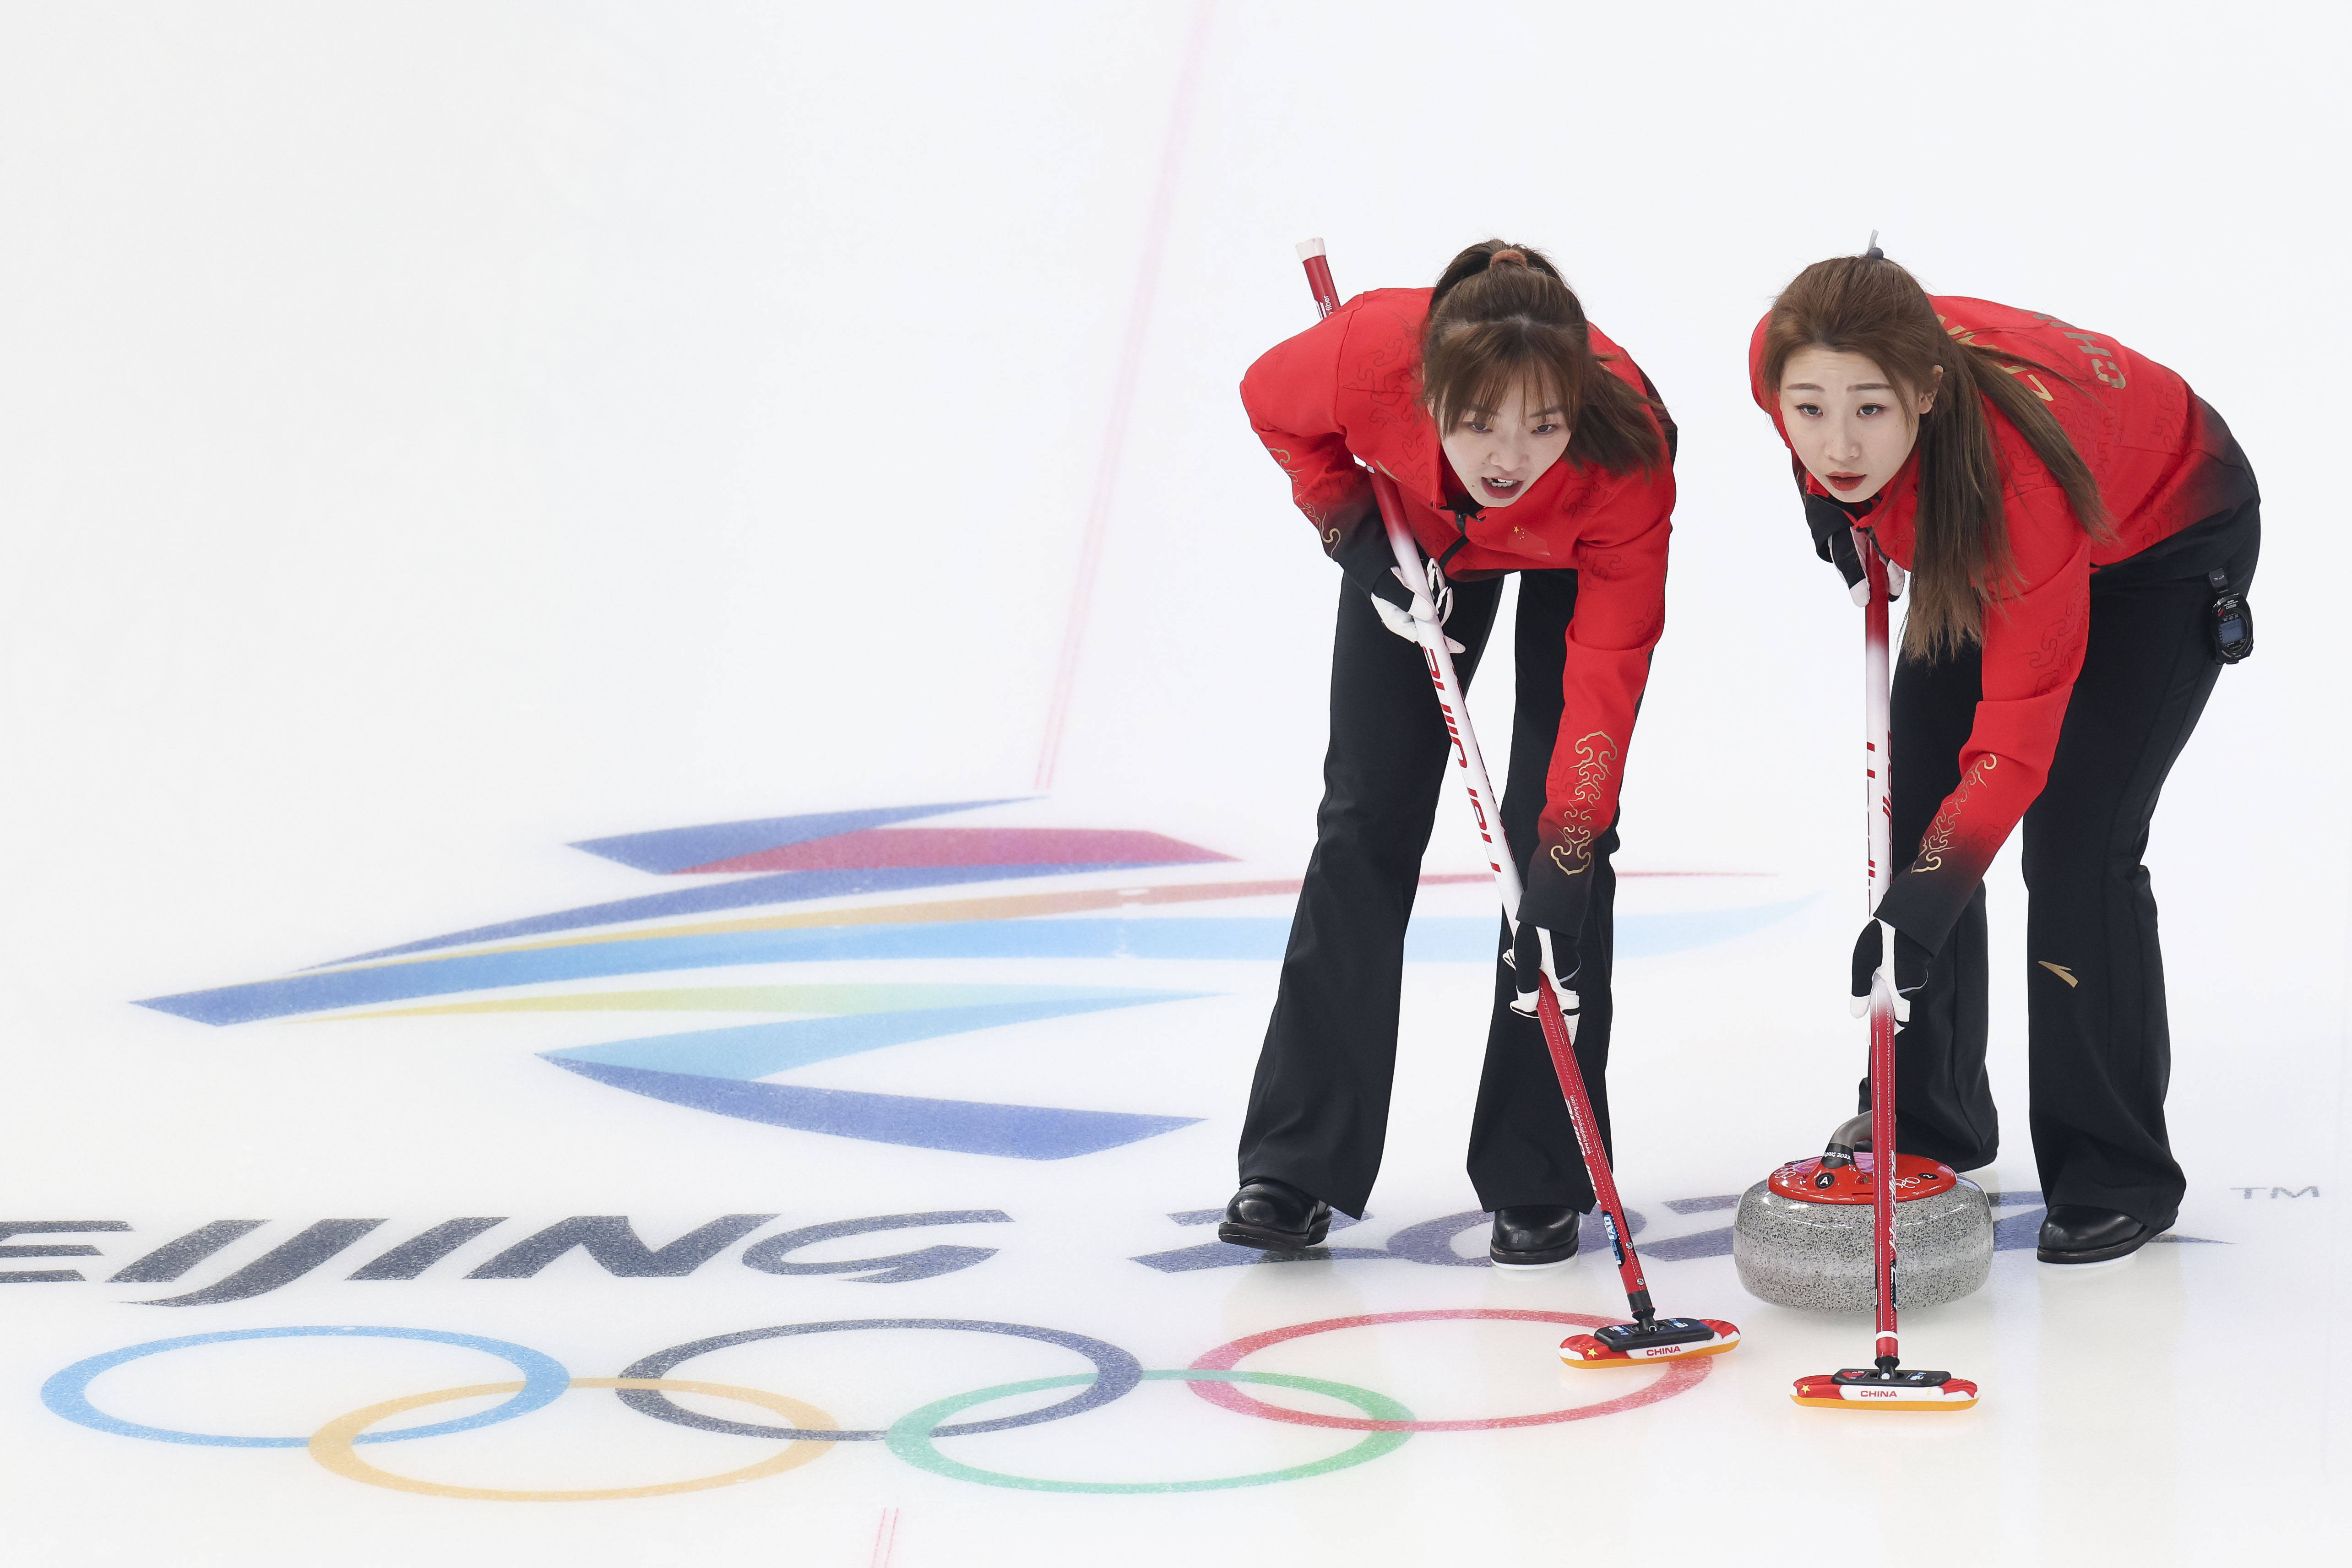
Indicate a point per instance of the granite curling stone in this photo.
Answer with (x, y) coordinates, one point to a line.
(1802, 1241)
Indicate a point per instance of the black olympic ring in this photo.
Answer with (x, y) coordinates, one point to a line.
(1116, 1373)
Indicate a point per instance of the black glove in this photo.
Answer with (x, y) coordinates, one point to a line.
(1553, 902)
(1832, 529)
(1832, 526)
(1526, 963)
(1911, 961)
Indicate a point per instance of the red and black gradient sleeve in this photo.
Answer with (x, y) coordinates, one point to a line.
(1621, 604)
(2033, 645)
(1290, 393)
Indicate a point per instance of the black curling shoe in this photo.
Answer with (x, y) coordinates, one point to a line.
(1534, 1235)
(2077, 1233)
(1274, 1216)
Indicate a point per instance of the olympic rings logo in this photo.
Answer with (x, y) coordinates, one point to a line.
(808, 1433)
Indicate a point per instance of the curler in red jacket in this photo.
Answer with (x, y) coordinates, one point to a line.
(1347, 390)
(2164, 462)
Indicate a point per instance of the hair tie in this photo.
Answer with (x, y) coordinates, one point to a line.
(1508, 256)
(1874, 253)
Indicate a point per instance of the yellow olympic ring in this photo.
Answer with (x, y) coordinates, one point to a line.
(331, 1444)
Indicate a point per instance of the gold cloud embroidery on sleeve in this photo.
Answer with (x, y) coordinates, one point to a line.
(1940, 833)
(1579, 826)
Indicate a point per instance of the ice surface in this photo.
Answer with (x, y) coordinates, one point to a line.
(434, 437)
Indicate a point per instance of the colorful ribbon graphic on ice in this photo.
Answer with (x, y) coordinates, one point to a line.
(771, 864)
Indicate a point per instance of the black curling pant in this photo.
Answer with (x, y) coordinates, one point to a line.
(2099, 1049)
(1318, 1107)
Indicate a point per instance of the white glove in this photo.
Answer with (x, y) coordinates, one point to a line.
(1860, 590)
(1400, 621)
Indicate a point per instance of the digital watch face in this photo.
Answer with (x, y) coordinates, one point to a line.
(2234, 629)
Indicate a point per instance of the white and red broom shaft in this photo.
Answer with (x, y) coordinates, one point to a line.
(1483, 809)
(1561, 1042)
(1877, 705)
(1559, 1037)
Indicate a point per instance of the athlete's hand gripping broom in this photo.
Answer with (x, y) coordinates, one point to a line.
(1648, 1338)
(1883, 1385)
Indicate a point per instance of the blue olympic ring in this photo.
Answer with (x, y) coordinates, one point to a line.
(544, 1380)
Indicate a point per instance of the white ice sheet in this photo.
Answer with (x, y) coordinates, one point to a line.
(433, 436)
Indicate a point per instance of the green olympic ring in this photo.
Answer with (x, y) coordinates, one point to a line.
(909, 1437)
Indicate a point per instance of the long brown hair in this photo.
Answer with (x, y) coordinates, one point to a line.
(1501, 317)
(1870, 306)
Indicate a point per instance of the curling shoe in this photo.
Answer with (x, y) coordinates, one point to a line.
(1274, 1216)
(2077, 1233)
(1534, 1235)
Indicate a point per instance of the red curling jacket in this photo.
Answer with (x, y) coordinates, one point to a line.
(1350, 387)
(2163, 460)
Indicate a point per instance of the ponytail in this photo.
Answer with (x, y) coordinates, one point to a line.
(1502, 316)
(1869, 305)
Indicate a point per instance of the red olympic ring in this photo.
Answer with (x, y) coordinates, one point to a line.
(1681, 1376)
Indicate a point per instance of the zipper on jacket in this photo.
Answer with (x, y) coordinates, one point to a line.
(1461, 515)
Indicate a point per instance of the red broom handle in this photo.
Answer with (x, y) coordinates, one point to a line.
(1877, 705)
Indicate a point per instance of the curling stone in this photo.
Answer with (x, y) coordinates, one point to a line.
(1802, 1237)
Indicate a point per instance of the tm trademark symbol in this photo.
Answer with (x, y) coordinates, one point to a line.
(2248, 1192)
